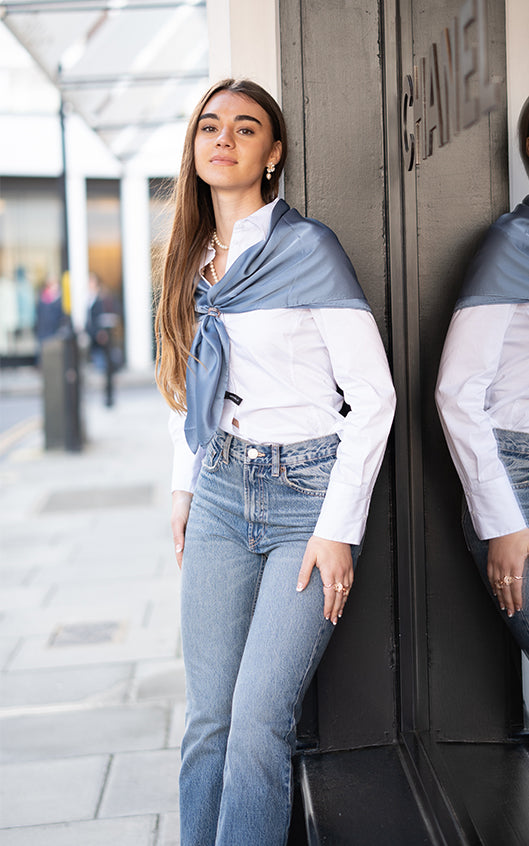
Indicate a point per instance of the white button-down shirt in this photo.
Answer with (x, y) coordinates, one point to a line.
(284, 366)
(483, 384)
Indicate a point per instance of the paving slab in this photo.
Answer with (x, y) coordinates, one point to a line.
(142, 783)
(44, 552)
(73, 684)
(8, 647)
(176, 731)
(139, 643)
(42, 621)
(105, 569)
(159, 680)
(14, 576)
(22, 596)
(51, 791)
(169, 830)
(62, 734)
(90, 593)
(128, 831)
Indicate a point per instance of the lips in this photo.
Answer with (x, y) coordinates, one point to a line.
(222, 160)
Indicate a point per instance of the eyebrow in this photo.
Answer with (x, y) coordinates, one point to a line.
(213, 116)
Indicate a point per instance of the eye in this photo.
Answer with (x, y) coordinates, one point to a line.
(208, 128)
(246, 130)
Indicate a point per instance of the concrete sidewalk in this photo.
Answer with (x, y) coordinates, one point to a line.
(92, 692)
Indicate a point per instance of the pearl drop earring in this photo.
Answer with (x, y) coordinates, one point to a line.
(269, 171)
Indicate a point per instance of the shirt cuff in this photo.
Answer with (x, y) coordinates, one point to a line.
(494, 509)
(343, 515)
(186, 467)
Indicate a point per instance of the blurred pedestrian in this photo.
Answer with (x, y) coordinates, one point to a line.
(102, 319)
(50, 315)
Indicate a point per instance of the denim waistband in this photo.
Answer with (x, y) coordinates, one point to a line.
(508, 439)
(275, 455)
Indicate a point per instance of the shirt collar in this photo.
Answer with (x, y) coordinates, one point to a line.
(259, 219)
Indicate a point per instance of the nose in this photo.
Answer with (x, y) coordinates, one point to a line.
(224, 138)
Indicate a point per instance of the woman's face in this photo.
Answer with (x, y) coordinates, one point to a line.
(234, 143)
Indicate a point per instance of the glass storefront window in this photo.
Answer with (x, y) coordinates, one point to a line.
(30, 255)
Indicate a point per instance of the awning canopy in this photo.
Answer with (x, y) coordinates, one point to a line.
(131, 68)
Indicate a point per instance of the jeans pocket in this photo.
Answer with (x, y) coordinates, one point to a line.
(517, 466)
(311, 477)
(212, 457)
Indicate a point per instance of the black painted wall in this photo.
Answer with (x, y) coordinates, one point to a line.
(420, 646)
(332, 99)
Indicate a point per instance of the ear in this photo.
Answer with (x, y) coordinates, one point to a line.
(275, 152)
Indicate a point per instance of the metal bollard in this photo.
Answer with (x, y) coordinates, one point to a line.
(62, 393)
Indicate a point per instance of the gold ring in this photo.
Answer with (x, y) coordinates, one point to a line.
(338, 587)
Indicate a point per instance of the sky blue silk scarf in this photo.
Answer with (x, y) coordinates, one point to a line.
(499, 272)
(301, 264)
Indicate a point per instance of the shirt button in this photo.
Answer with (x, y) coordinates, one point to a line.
(252, 452)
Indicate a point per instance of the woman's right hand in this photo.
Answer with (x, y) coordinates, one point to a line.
(181, 503)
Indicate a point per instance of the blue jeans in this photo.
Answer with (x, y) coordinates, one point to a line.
(513, 450)
(251, 642)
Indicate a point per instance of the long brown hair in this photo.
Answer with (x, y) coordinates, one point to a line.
(193, 225)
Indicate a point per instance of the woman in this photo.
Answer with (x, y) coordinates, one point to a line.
(483, 399)
(268, 541)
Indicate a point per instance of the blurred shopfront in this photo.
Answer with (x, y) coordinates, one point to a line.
(94, 100)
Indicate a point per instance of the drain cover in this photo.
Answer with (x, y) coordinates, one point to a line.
(76, 634)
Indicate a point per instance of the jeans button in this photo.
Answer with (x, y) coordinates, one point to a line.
(252, 452)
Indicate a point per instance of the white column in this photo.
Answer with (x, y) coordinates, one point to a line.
(244, 41)
(137, 287)
(77, 247)
(517, 27)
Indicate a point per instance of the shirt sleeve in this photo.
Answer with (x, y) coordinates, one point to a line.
(361, 370)
(186, 464)
(469, 362)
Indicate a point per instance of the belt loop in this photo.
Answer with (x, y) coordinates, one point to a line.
(275, 460)
(226, 448)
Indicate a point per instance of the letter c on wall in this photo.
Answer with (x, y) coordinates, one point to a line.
(408, 138)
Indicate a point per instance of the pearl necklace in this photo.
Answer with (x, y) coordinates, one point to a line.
(213, 272)
(215, 241)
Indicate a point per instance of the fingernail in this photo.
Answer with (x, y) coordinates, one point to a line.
(178, 548)
(509, 613)
(327, 616)
(299, 586)
(334, 622)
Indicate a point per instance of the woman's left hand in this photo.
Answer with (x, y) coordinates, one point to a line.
(335, 563)
(505, 569)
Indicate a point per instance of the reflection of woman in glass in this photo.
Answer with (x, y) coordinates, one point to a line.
(483, 399)
(284, 481)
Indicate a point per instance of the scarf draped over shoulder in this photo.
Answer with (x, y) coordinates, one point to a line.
(499, 272)
(301, 264)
